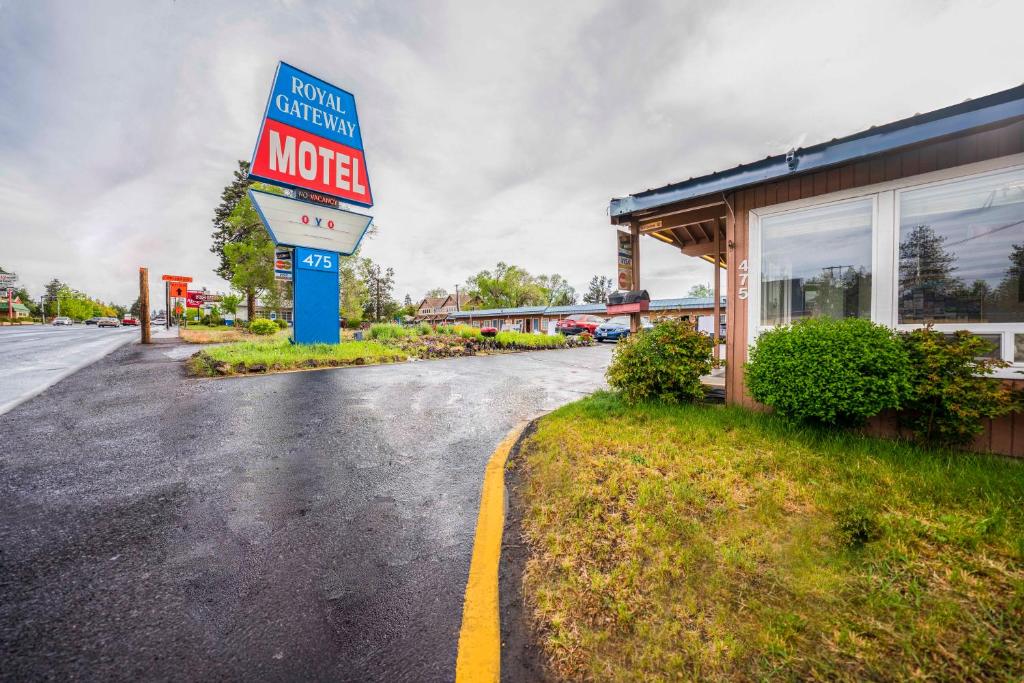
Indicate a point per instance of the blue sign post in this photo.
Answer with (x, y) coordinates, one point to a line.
(316, 296)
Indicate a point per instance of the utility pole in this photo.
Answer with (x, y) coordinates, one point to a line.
(144, 303)
(457, 308)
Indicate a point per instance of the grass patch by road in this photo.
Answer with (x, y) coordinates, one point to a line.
(280, 354)
(700, 542)
(208, 334)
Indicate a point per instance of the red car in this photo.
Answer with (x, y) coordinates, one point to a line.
(579, 323)
(129, 320)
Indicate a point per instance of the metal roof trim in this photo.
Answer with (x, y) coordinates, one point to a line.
(1000, 107)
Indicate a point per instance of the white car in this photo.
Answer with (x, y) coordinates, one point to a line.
(62, 320)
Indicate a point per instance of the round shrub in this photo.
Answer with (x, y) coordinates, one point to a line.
(263, 326)
(951, 395)
(837, 372)
(282, 324)
(663, 363)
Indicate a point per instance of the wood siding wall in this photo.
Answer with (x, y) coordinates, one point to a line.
(1004, 436)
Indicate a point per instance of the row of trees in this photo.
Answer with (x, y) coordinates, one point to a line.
(61, 298)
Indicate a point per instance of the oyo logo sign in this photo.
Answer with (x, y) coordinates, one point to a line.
(318, 222)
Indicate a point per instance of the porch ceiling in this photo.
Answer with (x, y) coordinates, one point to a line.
(690, 229)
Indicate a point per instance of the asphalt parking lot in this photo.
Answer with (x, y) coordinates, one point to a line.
(313, 525)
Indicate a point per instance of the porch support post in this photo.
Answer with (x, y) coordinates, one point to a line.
(634, 233)
(718, 283)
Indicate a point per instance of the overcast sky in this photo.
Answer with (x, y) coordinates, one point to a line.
(493, 131)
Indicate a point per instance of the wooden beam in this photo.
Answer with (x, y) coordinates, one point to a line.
(687, 218)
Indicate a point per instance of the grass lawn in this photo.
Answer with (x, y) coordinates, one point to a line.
(701, 542)
(279, 354)
(210, 334)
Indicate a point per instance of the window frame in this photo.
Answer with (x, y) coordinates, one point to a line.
(884, 248)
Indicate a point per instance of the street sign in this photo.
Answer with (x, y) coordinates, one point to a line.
(625, 242)
(310, 139)
(176, 278)
(303, 224)
(194, 299)
(178, 290)
(8, 278)
(283, 264)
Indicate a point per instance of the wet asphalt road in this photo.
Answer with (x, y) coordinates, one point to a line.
(36, 356)
(305, 526)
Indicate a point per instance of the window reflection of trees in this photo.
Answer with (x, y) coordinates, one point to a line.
(935, 253)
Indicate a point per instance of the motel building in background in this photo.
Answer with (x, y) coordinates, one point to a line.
(919, 221)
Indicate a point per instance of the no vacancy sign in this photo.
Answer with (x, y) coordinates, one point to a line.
(310, 139)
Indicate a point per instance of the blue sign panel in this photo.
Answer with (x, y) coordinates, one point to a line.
(316, 297)
(309, 104)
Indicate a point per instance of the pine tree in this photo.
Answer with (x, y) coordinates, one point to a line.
(224, 231)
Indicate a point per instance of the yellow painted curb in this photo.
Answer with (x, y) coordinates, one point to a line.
(479, 656)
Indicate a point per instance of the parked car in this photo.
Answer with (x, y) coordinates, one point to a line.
(62, 320)
(578, 323)
(129, 319)
(91, 321)
(617, 328)
(108, 322)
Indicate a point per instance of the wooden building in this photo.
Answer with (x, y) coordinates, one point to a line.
(912, 222)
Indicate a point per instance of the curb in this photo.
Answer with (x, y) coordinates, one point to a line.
(479, 648)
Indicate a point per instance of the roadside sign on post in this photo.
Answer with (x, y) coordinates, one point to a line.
(194, 299)
(178, 290)
(310, 142)
(283, 264)
(176, 278)
(625, 254)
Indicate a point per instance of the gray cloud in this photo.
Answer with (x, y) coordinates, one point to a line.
(493, 130)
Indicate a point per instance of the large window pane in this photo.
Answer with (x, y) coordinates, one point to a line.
(962, 251)
(817, 262)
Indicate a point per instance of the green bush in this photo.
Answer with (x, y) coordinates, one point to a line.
(950, 394)
(527, 340)
(837, 372)
(263, 326)
(423, 329)
(664, 363)
(282, 324)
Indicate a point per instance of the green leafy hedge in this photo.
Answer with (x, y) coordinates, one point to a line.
(829, 371)
(664, 363)
(951, 395)
(263, 326)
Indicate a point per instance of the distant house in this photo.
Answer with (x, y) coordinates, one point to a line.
(429, 310)
(20, 309)
(465, 302)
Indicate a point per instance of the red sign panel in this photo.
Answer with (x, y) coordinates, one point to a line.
(177, 278)
(177, 290)
(290, 156)
(194, 299)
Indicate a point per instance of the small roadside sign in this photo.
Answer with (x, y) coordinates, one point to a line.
(194, 299)
(283, 264)
(8, 278)
(178, 290)
(176, 278)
